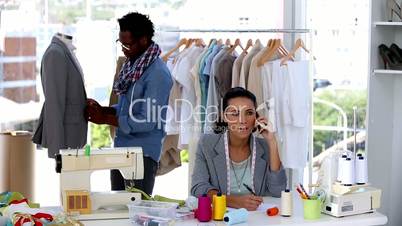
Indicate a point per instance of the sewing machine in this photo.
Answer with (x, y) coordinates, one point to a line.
(351, 200)
(341, 200)
(358, 196)
(76, 166)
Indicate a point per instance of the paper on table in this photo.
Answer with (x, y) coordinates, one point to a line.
(262, 208)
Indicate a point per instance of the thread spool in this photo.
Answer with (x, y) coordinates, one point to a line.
(219, 206)
(340, 166)
(329, 170)
(204, 210)
(361, 170)
(236, 217)
(286, 203)
(348, 173)
(272, 211)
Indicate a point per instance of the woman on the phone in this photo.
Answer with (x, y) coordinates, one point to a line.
(235, 162)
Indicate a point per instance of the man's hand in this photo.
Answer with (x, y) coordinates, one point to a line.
(94, 114)
(90, 110)
(92, 102)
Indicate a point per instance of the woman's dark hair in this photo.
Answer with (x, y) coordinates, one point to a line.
(220, 124)
(137, 24)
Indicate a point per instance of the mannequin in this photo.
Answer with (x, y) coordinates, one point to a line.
(62, 123)
(67, 39)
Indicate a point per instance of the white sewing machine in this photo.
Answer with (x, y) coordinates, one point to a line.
(341, 200)
(75, 168)
(351, 200)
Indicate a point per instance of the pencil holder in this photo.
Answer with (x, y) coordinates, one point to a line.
(312, 209)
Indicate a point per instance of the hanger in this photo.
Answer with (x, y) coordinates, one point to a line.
(270, 45)
(228, 42)
(267, 55)
(299, 44)
(182, 42)
(212, 40)
(236, 44)
(283, 50)
(248, 45)
(199, 42)
(189, 43)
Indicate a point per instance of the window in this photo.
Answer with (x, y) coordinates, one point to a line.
(341, 49)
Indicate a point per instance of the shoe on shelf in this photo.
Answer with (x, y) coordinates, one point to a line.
(396, 51)
(390, 60)
(393, 8)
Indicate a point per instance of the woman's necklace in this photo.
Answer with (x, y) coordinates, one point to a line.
(239, 182)
(253, 154)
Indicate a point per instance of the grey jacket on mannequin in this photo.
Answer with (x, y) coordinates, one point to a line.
(62, 123)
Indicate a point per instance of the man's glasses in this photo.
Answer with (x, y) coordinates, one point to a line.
(122, 45)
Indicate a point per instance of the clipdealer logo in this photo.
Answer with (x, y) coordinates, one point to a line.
(182, 112)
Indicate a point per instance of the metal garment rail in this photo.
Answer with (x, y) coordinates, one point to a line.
(288, 31)
(294, 31)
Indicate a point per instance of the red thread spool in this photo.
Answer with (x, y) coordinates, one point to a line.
(204, 211)
(272, 211)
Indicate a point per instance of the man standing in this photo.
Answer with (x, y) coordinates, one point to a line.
(143, 89)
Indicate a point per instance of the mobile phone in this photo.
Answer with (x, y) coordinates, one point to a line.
(260, 126)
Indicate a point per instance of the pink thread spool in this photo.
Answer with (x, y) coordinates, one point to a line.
(204, 211)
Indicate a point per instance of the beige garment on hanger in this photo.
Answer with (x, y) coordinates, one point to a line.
(254, 83)
(170, 157)
(236, 69)
(113, 97)
(245, 67)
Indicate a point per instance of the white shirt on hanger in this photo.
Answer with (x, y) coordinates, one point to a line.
(172, 125)
(184, 78)
(290, 89)
(269, 101)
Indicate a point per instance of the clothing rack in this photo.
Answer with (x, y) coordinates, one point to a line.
(285, 31)
(294, 31)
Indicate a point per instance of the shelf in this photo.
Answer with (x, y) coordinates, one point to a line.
(387, 72)
(384, 23)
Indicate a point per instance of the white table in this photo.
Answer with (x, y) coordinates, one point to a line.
(261, 219)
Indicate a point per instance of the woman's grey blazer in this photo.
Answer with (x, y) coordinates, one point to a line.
(210, 168)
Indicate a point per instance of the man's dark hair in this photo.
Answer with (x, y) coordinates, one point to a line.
(137, 24)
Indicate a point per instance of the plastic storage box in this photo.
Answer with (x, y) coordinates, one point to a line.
(152, 209)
